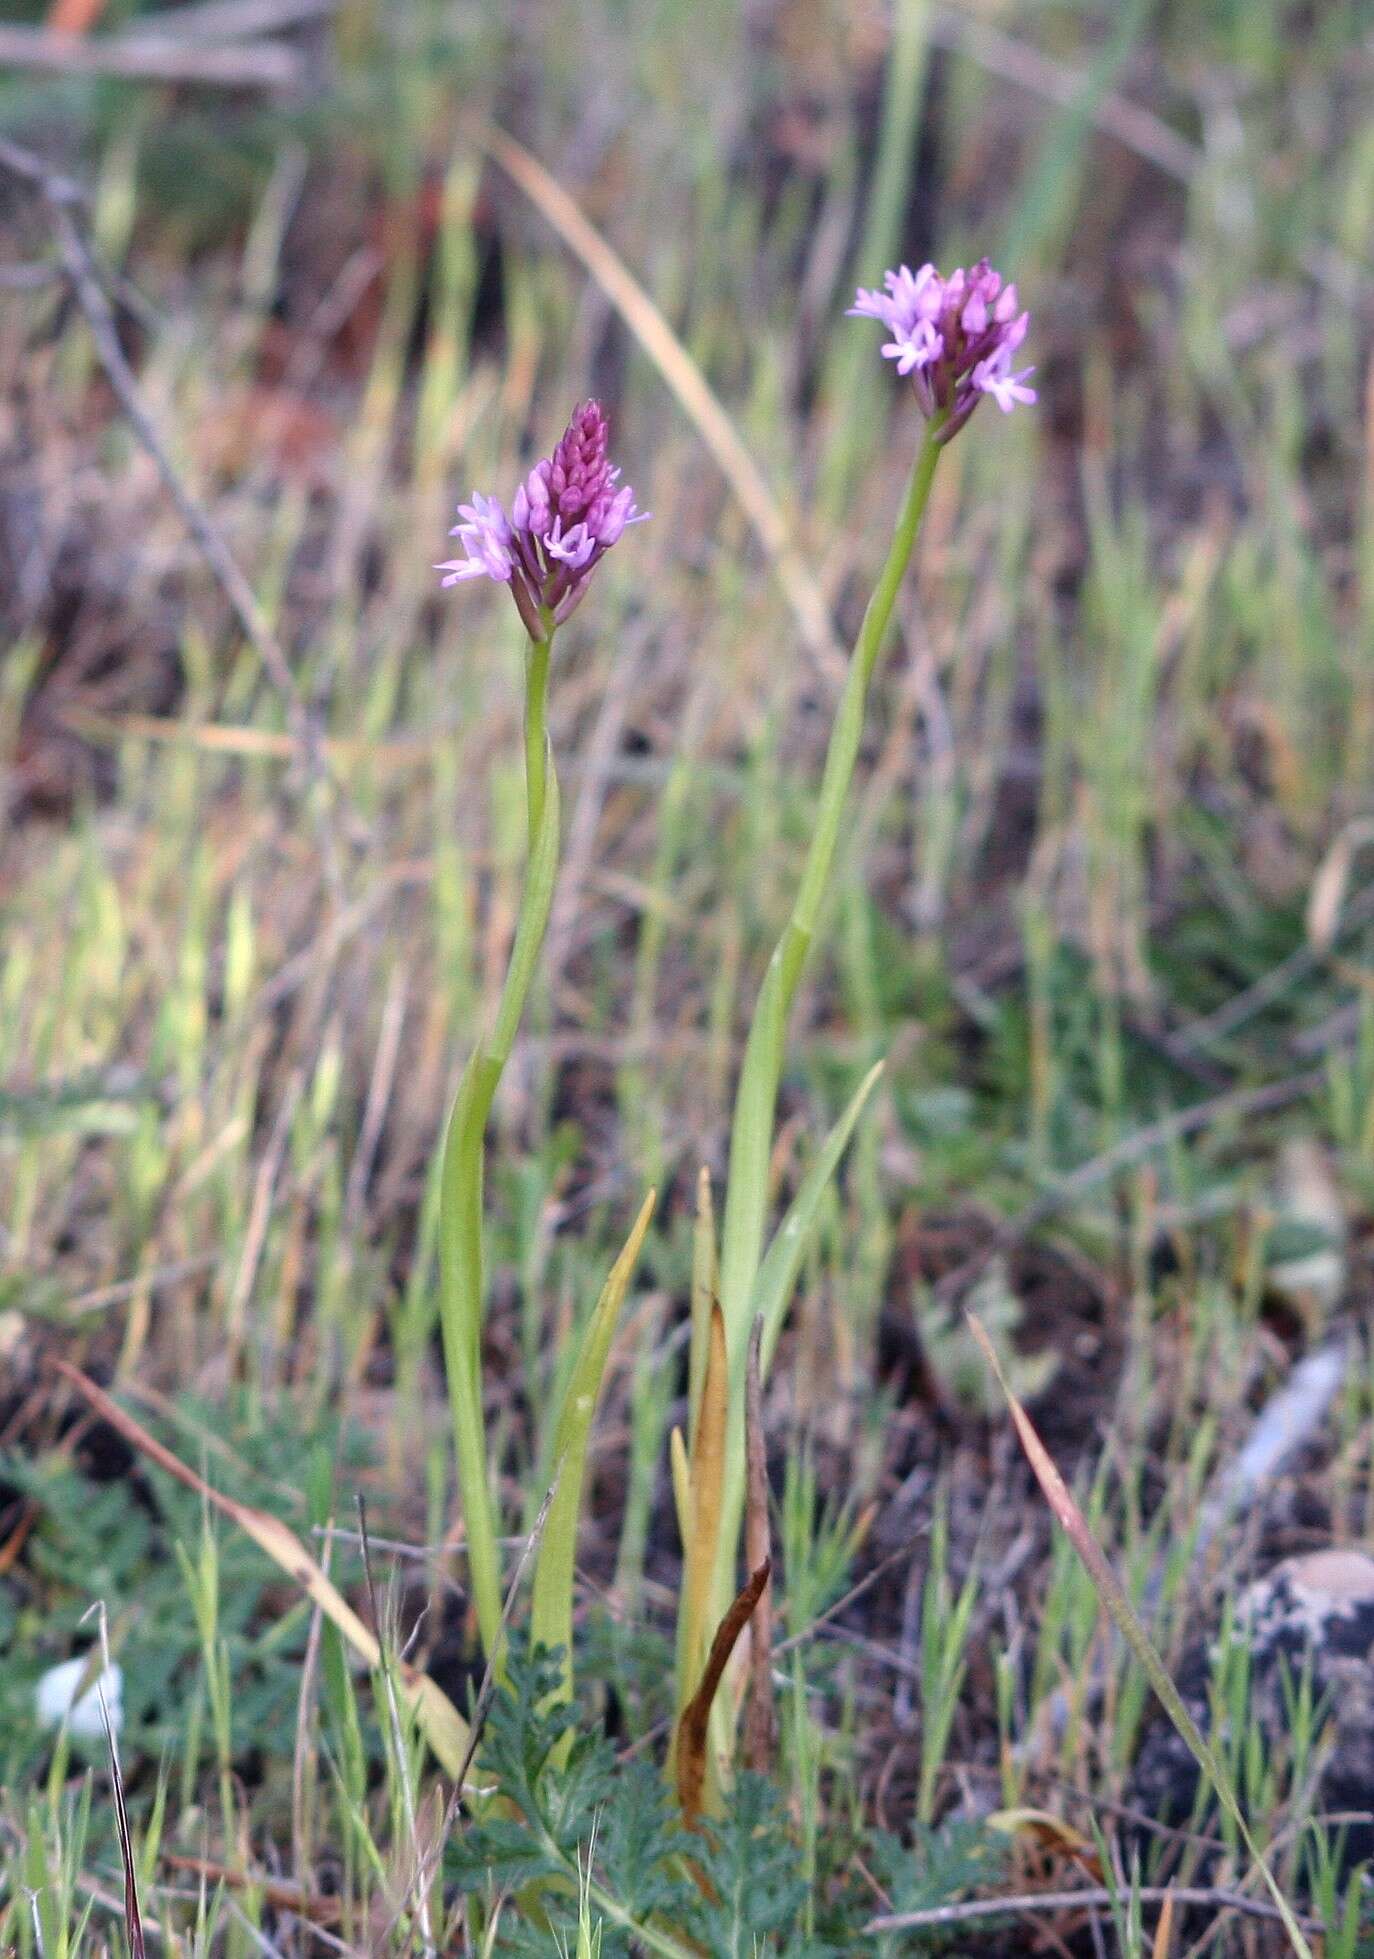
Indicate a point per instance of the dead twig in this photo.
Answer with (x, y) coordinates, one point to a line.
(1031, 1903)
(62, 199)
(1236, 1105)
(241, 20)
(1014, 61)
(317, 1908)
(145, 57)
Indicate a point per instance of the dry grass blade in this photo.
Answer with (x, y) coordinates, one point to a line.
(1109, 1590)
(443, 1726)
(218, 738)
(692, 1729)
(687, 383)
(133, 1918)
(1164, 1930)
(758, 1552)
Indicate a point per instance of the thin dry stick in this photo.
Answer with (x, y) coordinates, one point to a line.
(62, 199)
(218, 738)
(102, 1297)
(1273, 985)
(145, 57)
(1031, 1903)
(1236, 1105)
(686, 380)
(241, 20)
(1014, 61)
(444, 1727)
(298, 1899)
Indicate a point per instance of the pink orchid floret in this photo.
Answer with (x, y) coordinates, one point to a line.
(486, 539)
(953, 337)
(563, 520)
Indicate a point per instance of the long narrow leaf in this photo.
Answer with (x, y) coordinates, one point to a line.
(778, 1273)
(552, 1599)
(707, 1480)
(705, 1286)
(682, 1485)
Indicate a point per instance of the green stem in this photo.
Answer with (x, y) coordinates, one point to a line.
(536, 737)
(751, 1138)
(650, 1936)
(462, 1303)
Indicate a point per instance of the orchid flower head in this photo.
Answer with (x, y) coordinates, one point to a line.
(564, 517)
(953, 336)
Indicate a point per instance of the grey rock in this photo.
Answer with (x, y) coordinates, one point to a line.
(1316, 1610)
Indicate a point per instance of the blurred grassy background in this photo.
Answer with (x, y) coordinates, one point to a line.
(1106, 866)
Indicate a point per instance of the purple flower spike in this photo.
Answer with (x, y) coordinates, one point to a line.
(563, 520)
(954, 337)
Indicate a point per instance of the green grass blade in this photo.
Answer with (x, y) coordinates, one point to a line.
(782, 1262)
(552, 1602)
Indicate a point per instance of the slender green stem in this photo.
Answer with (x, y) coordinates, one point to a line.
(462, 1301)
(650, 1936)
(536, 737)
(751, 1138)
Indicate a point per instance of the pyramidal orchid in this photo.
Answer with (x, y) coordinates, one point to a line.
(954, 337)
(563, 520)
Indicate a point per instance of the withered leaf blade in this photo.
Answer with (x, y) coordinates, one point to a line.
(692, 1729)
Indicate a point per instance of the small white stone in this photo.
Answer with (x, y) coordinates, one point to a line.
(56, 1692)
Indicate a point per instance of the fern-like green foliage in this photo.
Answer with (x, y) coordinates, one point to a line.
(570, 1810)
